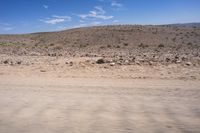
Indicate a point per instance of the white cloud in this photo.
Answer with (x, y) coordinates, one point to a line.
(95, 23)
(55, 19)
(97, 13)
(116, 4)
(62, 27)
(113, 3)
(80, 25)
(81, 21)
(5, 26)
(46, 6)
(62, 17)
(99, 10)
(115, 21)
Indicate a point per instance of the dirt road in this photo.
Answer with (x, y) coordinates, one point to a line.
(75, 105)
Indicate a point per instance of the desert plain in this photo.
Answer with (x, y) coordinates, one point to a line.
(111, 79)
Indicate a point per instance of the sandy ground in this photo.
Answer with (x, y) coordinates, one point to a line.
(48, 95)
(42, 104)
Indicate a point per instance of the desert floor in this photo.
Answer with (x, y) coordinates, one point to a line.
(43, 98)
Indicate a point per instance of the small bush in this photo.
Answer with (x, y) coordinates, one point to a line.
(102, 47)
(58, 48)
(82, 46)
(161, 46)
(125, 44)
(117, 46)
(100, 61)
(52, 44)
(174, 39)
(142, 45)
(109, 46)
(1, 43)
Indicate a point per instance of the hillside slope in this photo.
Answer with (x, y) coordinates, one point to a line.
(132, 42)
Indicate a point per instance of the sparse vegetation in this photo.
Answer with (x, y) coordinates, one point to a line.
(100, 61)
(82, 46)
(142, 45)
(161, 45)
(58, 48)
(125, 44)
(189, 43)
(117, 46)
(174, 39)
(98, 41)
(102, 47)
(52, 44)
(109, 46)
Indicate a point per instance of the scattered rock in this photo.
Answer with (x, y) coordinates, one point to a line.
(112, 64)
(178, 61)
(119, 63)
(150, 63)
(188, 63)
(6, 62)
(126, 61)
(19, 62)
(176, 57)
(42, 70)
(133, 59)
(52, 55)
(121, 59)
(100, 61)
(88, 61)
(12, 63)
(167, 59)
(71, 63)
(67, 62)
(184, 58)
(138, 63)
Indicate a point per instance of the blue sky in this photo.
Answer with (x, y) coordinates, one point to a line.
(26, 16)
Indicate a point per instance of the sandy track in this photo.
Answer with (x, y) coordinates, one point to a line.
(45, 105)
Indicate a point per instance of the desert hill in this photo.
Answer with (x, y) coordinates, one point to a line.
(135, 43)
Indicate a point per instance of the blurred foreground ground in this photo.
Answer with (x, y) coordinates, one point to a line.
(52, 95)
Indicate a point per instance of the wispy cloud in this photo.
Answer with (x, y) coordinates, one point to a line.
(5, 26)
(93, 23)
(55, 19)
(115, 21)
(97, 13)
(46, 6)
(114, 3)
(8, 28)
(62, 27)
(80, 25)
(81, 21)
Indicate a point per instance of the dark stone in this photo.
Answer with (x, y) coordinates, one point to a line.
(100, 61)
